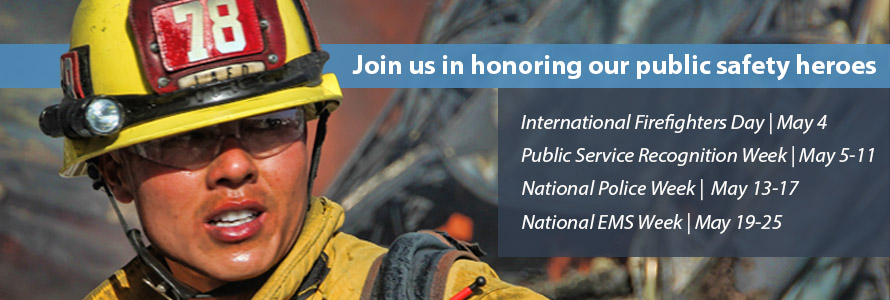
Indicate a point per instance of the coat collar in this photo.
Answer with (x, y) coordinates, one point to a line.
(323, 220)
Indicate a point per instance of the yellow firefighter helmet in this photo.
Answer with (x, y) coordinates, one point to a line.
(139, 70)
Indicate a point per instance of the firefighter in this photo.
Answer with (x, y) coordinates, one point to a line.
(195, 111)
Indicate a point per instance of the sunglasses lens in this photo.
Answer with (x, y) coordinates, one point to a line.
(270, 134)
(262, 136)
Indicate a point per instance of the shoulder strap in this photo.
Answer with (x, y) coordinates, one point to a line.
(314, 278)
(416, 266)
(368, 287)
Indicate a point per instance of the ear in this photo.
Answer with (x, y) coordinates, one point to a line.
(112, 169)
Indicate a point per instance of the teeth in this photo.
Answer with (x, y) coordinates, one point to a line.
(234, 218)
(233, 215)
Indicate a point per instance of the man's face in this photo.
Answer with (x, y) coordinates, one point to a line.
(232, 219)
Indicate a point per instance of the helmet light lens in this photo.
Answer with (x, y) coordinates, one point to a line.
(103, 116)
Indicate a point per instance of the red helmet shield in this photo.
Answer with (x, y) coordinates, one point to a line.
(189, 42)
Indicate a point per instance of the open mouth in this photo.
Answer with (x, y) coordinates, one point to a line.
(234, 218)
(235, 221)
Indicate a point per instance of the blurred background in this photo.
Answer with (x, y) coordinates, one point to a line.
(409, 159)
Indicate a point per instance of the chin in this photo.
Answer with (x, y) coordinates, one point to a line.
(240, 271)
(240, 265)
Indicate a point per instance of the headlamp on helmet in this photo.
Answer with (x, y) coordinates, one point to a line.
(99, 116)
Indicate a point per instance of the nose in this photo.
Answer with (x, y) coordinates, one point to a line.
(233, 167)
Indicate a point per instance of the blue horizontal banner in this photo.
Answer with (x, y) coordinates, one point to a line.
(554, 66)
(31, 65)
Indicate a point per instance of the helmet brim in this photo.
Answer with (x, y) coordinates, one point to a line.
(78, 151)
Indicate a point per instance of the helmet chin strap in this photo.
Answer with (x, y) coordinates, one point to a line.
(170, 286)
(320, 131)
